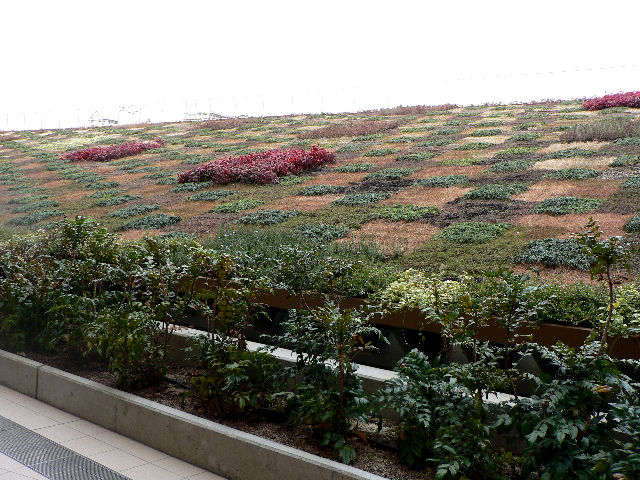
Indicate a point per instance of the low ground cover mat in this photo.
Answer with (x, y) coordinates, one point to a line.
(554, 252)
(496, 191)
(633, 224)
(404, 213)
(472, 232)
(354, 167)
(313, 190)
(565, 205)
(151, 222)
(574, 173)
(509, 166)
(442, 181)
(134, 210)
(210, 196)
(362, 198)
(389, 174)
(268, 216)
(321, 232)
(237, 206)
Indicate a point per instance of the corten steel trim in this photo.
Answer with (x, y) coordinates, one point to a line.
(546, 334)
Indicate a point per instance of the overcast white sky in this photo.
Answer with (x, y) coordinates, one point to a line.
(76, 54)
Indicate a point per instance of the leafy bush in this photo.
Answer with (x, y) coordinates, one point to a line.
(635, 141)
(633, 224)
(485, 133)
(237, 206)
(361, 198)
(151, 222)
(628, 99)
(264, 167)
(496, 191)
(473, 232)
(573, 173)
(525, 137)
(321, 232)
(109, 152)
(515, 152)
(415, 156)
(312, 190)
(38, 205)
(389, 174)
(268, 217)
(351, 129)
(554, 252)
(381, 152)
(330, 396)
(566, 205)
(624, 160)
(211, 196)
(34, 217)
(475, 146)
(352, 148)
(404, 213)
(119, 200)
(571, 152)
(134, 210)
(354, 167)
(442, 181)
(509, 166)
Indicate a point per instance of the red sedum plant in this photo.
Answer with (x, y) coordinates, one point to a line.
(262, 167)
(109, 152)
(628, 99)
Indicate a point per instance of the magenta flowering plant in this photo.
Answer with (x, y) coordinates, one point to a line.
(262, 167)
(104, 153)
(627, 99)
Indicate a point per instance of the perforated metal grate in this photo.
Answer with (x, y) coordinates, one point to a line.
(49, 458)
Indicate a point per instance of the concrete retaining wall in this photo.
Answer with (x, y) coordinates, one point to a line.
(228, 452)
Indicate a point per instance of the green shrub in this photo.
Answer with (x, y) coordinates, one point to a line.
(442, 181)
(515, 152)
(268, 217)
(486, 133)
(472, 232)
(119, 200)
(625, 160)
(151, 222)
(415, 156)
(352, 148)
(571, 152)
(525, 137)
(237, 206)
(34, 217)
(440, 142)
(566, 205)
(631, 182)
(475, 146)
(354, 167)
(362, 198)
(573, 173)
(554, 252)
(633, 224)
(509, 166)
(389, 174)
(191, 187)
(381, 152)
(134, 210)
(313, 190)
(321, 232)
(404, 213)
(524, 126)
(40, 205)
(211, 196)
(496, 191)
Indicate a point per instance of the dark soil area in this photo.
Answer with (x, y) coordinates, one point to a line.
(376, 451)
(463, 210)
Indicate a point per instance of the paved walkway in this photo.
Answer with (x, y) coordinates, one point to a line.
(77, 449)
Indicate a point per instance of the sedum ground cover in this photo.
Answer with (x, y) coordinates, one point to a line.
(403, 180)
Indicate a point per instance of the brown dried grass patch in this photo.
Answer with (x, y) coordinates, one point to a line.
(394, 236)
(425, 197)
(601, 163)
(560, 275)
(557, 188)
(556, 147)
(72, 196)
(495, 139)
(610, 223)
(223, 123)
(335, 178)
(303, 203)
(412, 109)
(133, 234)
(437, 170)
(351, 129)
(54, 184)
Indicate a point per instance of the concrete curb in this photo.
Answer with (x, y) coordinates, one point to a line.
(228, 452)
